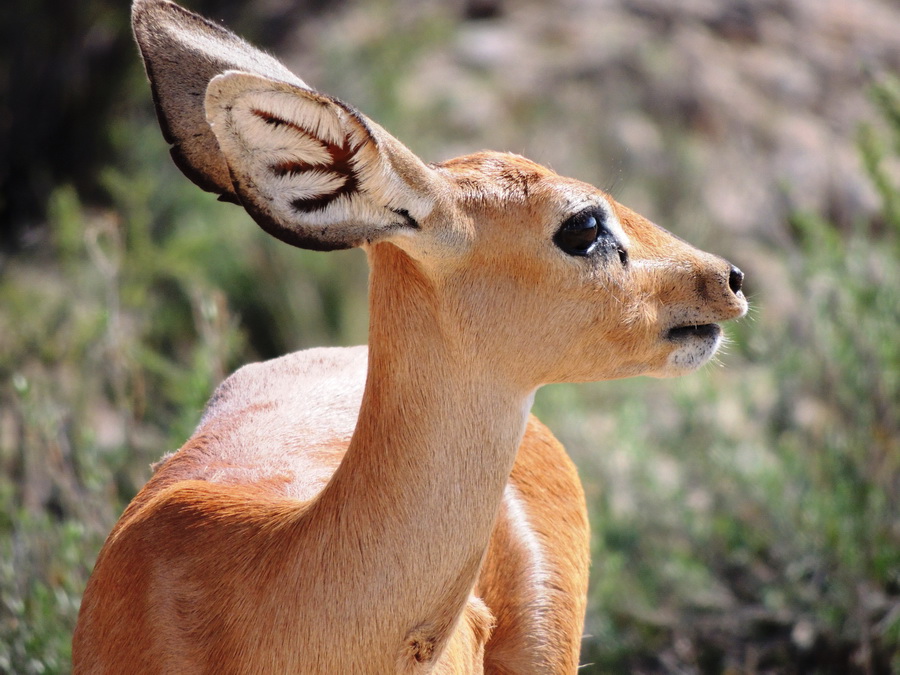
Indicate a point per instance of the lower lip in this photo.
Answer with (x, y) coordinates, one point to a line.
(705, 331)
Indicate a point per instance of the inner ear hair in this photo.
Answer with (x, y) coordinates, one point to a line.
(312, 170)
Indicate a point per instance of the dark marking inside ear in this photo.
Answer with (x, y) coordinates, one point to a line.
(276, 121)
(269, 118)
(410, 221)
(342, 164)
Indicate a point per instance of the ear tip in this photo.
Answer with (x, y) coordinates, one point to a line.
(143, 5)
(142, 10)
(148, 17)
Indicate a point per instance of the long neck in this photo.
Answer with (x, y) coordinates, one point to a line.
(416, 495)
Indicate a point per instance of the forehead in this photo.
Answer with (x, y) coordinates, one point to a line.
(510, 196)
(493, 179)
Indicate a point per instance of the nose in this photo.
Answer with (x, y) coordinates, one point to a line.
(735, 280)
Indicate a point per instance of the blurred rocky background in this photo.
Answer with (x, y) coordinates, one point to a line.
(746, 519)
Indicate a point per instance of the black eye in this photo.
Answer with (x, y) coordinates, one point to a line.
(578, 235)
(586, 232)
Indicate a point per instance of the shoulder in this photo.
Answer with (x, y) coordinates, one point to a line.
(308, 376)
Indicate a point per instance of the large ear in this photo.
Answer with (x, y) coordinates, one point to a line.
(182, 52)
(310, 170)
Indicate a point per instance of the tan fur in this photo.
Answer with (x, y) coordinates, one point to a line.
(394, 509)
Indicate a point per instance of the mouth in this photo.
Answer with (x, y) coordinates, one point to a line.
(702, 331)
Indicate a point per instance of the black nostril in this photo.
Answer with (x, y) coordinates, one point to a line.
(735, 280)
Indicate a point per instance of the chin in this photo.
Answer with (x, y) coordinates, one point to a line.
(693, 349)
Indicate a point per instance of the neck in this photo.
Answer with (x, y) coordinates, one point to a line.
(422, 480)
